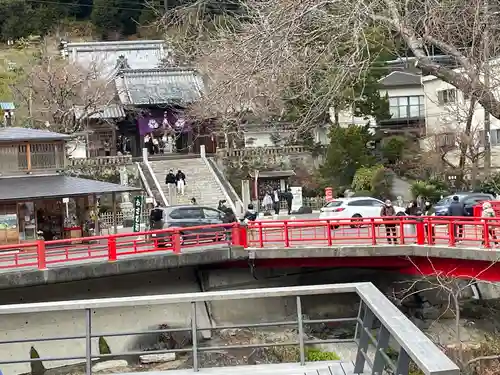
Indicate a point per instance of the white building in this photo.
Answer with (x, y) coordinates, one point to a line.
(446, 113)
(405, 93)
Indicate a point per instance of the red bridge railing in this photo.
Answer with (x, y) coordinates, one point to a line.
(431, 230)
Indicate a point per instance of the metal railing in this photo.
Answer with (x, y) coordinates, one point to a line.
(145, 182)
(157, 185)
(376, 314)
(225, 186)
(306, 233)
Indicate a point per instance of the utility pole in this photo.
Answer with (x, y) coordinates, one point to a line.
(165, 5)
(487, 119)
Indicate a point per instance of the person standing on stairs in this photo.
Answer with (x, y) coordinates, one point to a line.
(171, 182)
(181, 182)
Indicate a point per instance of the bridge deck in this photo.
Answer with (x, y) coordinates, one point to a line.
(310, 368)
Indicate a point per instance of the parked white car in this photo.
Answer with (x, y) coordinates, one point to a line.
(354, 208)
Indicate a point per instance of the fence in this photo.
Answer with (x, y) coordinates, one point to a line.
(431, 230)
(106, 219)
(377, 324)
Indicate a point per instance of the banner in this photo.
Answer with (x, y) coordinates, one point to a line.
(137, 213)
(297, 198)
(150, 122)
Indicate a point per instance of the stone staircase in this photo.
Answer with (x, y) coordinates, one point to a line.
(200, 183)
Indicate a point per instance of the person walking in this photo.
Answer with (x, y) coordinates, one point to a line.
(489, 213)
(388, 211)
(267, 203)
(430, 230)
(413, 209)
(289, 200)
(171, 182)
(250, 214)
(193, 201)
(457, 209)
(276, 201)
(181, 182)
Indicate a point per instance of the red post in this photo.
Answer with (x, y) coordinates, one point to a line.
(401, 230)
(235, 235)
(420, 231)
(112, 254)
(261, 234)
(374, 231)
(486, 234)
(176, 242)
(285, 234)
(329, 232)
(451, 233)
(42, 260)
(244, 236)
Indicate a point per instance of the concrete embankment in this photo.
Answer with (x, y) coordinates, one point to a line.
(183, 280)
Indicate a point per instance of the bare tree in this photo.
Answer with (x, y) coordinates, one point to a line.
(455, 142)
(279, 43)
(53, 87)
(452, 290)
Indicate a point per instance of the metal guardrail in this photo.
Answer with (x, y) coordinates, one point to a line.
(412, 344)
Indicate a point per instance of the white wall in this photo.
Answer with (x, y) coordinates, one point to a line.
(262, 138)
(402, 91)
(451, 118)
(76, 149)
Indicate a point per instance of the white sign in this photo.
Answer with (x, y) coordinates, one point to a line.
(297, 197)
(65, 200)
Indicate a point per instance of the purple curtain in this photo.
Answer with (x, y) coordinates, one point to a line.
(168, 120)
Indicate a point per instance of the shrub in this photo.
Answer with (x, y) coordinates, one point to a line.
(103, 346)
(392, 148)
(315, 355)
(377, 180)
(428, 190)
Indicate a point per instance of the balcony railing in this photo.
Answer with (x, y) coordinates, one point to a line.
(31, 157)
(379, 328)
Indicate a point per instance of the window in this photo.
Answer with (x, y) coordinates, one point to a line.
(212, 214)
(362, 203)
(471, 201)
(406, 107)
(447, 96)
(494, 137)
(187, 213)
(334, 204)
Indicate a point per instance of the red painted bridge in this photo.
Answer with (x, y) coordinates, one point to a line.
(458, 247)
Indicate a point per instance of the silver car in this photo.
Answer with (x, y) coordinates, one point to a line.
(186, 216)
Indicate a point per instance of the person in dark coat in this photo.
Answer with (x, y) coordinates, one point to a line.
(250, 214)
(388, 211)
(289, 198)
(276, 201)
(457, 209)
(171, 182)
(156, 218)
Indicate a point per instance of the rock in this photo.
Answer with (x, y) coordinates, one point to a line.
(109, 365)
(157, 358)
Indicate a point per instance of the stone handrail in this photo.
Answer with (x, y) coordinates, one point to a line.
(251, 151)
(375, 310)
(101, 161)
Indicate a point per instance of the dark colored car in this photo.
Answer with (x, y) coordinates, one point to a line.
(185, 216)
(469, 200)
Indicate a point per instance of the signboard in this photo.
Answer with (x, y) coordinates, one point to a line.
(328, 194)
(137, 213)
(297, 197)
